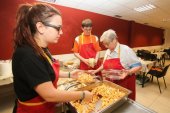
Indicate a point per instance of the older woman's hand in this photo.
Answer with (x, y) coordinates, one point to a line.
(109, 72)
(123, 74)
(105, 73)
(115, 74)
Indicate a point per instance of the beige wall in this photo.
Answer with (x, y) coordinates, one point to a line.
(167, 38)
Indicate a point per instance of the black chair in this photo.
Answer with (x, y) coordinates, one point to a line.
(140, 53)
(168, 52)
(158, 73)
(162, 60)
(143, 54)
(153, 57)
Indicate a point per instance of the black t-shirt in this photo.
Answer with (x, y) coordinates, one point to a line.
(29, 70)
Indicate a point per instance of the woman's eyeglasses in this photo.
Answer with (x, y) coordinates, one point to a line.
(58, 28)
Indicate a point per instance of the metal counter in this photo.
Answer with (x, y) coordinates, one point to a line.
(125, 106)
(131, 106)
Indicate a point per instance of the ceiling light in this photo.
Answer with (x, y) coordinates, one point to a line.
(144, 8)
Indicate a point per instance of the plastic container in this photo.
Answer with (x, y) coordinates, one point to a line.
(5, 67)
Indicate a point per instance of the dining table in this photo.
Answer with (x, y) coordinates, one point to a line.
(146, 66)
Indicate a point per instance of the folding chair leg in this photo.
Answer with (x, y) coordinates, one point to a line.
(164, 82)
(163, 60)
(151, 78)
(159, 85)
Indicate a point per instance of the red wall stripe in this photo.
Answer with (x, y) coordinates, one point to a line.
(129, 33)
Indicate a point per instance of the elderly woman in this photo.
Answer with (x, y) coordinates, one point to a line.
(120, 62)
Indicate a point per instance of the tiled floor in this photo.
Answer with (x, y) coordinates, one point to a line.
(148, 96)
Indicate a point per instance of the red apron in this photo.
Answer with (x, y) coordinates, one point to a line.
(87, 51)
(128, 82)
(38, 104)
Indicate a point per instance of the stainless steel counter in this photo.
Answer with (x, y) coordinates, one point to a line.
(131, 106)
(125, 106)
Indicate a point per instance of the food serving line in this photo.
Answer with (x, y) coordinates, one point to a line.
(108, 97)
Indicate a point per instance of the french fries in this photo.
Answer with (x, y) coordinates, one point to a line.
(106, 94)
(85, 78)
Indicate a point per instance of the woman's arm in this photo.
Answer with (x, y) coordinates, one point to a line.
(95, 71)
(63, 74)
(72, 74)
(50, 94)
(134, 69)
(129, 72)
(99, 69)
(97, 56)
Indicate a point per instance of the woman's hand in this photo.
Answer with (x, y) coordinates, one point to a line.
(115, 74)
(91, 62)
(107, 72)
(123, 74)
(75, 73)
(86, 61)
(88, 96)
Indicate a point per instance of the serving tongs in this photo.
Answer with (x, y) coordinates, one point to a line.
(67, 82)
(72, 85)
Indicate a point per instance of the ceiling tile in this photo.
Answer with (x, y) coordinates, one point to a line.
(125, 8)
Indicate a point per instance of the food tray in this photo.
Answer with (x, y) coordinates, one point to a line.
(110, 107)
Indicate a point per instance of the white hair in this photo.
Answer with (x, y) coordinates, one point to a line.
(108, 36)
